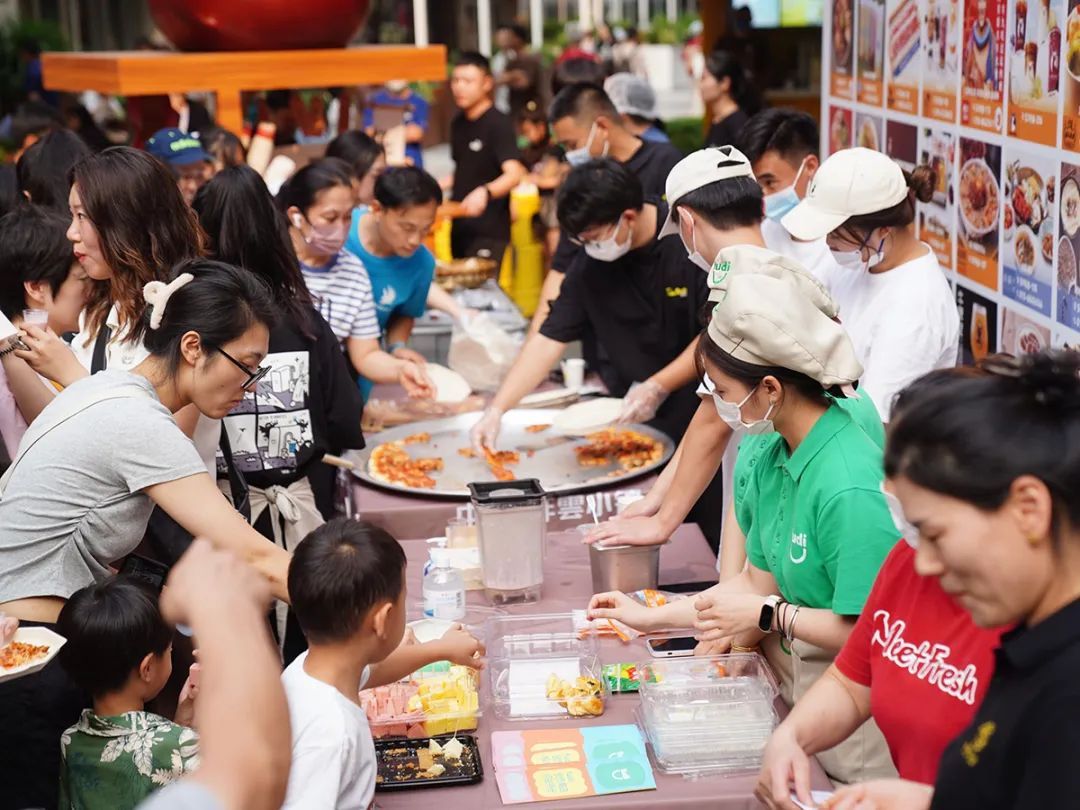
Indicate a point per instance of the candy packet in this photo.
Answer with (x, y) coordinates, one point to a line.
(623, 678)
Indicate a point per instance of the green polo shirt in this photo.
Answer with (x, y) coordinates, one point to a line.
(819, 522)
(862, 410)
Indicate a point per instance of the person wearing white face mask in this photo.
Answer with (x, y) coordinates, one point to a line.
(639, 296)
(780, 365)
(782, 147)
(317, 201)
(718, 214)
(893, 298)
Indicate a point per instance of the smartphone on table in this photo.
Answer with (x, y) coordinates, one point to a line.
(677, 647)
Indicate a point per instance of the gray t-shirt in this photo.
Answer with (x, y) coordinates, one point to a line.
(74, 503)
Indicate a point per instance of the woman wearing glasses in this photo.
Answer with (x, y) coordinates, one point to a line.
(913, 645)
(92, 465)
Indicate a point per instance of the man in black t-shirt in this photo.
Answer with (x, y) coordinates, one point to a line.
(487, 163)
(641, 297)
(585, 122)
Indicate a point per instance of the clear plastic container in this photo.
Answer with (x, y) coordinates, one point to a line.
(707, 714)
(437, 700)
(525, 653)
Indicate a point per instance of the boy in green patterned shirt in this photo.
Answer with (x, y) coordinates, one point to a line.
(119, 649)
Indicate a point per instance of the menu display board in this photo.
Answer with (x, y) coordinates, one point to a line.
(871, 52)
(842, 49)
(941, 61)
(902, 38)
(840, 126)
(937, 218)
(1028, 228)
(869, 131)
(1070, 79)
(997, 116)
(1034, 60)
(979, 208)
(1068, 247)
(982, 69)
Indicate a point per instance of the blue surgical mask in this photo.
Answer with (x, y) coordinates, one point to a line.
(731, 413)
(780, 202)
(576, 157)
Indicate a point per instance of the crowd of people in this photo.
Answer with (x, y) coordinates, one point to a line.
(895, 534)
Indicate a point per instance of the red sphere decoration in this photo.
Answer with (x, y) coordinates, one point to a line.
(258, 25)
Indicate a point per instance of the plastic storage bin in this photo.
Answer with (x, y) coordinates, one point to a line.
(440, 699)
(707, 714)
(525, 652)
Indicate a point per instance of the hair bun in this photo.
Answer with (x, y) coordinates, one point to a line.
(922, 181)
(1051, 376)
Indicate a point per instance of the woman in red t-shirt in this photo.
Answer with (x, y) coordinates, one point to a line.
(915, 662)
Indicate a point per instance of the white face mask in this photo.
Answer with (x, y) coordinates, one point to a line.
(576, 157)
(852, 260)
(609, 250)
(692, 252)
(732, 415)
(781, 202)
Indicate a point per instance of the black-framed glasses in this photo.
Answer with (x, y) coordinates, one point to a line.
(253, 376)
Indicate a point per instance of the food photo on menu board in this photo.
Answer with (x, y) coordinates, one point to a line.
(1021, 335)
(978, 325)
(902, 143)
(902, 35)
(940, 62)
(1068, 247)
(1070, 123)
(979, 207)
(840, 126)
(843, 49)
(871, 51)
(1034, 60)
(983, 64)
(937, 218)
(1027, 228)
(868, 131)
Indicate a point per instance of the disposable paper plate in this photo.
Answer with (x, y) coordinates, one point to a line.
(449, 385)
(588, 416)
(427, 630)
(38, 636)
(543, 399)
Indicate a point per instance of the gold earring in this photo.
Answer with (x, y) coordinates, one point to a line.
(1034, 540)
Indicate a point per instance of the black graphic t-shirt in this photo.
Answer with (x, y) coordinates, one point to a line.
(307, 406)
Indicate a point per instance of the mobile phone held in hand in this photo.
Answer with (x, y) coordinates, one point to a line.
(145, 570)
(678, 647)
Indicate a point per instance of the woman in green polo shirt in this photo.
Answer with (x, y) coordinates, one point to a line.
(818, 526)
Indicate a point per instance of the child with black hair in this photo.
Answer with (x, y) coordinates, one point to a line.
(347, 582)
(546, 166)
(119, 650)
(39, 272)
(388, 236)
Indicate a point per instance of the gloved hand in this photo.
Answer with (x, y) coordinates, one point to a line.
(642, 402)
(485, 433)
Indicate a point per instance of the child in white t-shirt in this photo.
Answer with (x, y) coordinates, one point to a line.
(347, 584)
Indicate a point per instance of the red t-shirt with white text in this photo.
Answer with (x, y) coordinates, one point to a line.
(926, 662)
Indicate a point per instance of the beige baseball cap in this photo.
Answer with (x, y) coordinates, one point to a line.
(699, 169)
(732, 261)
(769, 321)
(849, 183)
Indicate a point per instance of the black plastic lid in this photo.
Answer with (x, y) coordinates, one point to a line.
(507, 493)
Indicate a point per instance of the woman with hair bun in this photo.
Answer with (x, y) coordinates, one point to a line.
(985, 470)
(894, 300)
(730, 97)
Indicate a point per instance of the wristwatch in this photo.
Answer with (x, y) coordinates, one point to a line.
(768, 610)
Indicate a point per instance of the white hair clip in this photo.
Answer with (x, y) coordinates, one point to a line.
(158, 293)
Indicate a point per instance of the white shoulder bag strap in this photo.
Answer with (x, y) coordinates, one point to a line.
(56, 414)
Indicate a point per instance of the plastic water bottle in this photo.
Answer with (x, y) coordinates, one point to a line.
(444, 588)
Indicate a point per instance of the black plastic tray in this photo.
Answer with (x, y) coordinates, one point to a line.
(468, 771)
